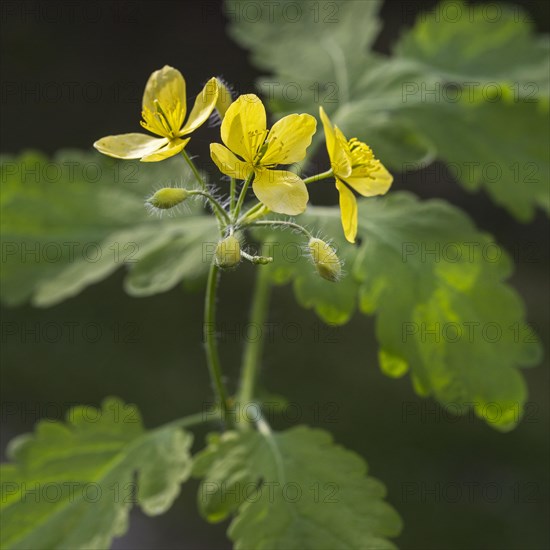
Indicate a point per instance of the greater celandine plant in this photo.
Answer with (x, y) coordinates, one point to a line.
(421, 267)
(250, 156)
(281, 489)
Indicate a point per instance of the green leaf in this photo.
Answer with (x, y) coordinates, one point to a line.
(487, 43)
(436, 285)
(72, 484)
(294, 490)
(71, 221)
(490, 58)
(468, 84)
(442, 307)
(506, 153)
(319, 32)
(499, 144)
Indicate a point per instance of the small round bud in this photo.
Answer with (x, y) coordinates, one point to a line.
(261, 260)
(256, 260)
(168, 197)
(228, 252)
(325, 260)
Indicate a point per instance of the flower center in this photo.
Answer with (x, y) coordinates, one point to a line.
(164, 122)
(258, 144)
(362, 155)
(277, 147)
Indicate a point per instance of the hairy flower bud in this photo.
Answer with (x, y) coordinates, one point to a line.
(228, 252)
(168, 197)
(325, 260)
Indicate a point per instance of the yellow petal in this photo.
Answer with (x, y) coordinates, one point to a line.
(129, 146)
(288, 139)
(342, 160)
(243, 128)
(337, 148)
(167, 86)
(225, 98)
(348, 211)
(228, 163)
(173, 147)
(329, 130)
(370, 183)
(203, 107)
(282, 192)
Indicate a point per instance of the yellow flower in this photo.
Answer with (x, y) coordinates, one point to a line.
(354, 165)
(164, 107)
(245, 134)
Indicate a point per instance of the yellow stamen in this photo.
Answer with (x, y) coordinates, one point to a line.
(257, 143)
(361, 154)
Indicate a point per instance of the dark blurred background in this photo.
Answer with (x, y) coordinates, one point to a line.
(74, 71)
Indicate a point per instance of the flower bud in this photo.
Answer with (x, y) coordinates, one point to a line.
(261, 260)
(228, 252)
(325, 260)
(168, 197)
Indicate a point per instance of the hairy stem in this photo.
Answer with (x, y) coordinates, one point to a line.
(217, 208)
(191, 164)
(281, 223)
(212, 356)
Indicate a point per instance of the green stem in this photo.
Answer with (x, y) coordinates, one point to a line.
(242, 196)
(253, 350)
(191, 164)
(281, 223)
(317, 177)
(232, 192)
(212, 356)
(218, 208)
(254, 210)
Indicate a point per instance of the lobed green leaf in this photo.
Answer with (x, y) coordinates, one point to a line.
(295, 490)
(71, 221)
(437, 288)
(467, 84)
(72, 484)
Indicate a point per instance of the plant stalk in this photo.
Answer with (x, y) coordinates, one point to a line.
(318, 177)
(217, 208)
(212, 355)
(281, 223)
(191, 164)
(253, 351)
(232, 192)
(242, 196)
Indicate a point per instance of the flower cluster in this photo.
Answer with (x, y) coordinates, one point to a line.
(252, 154)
